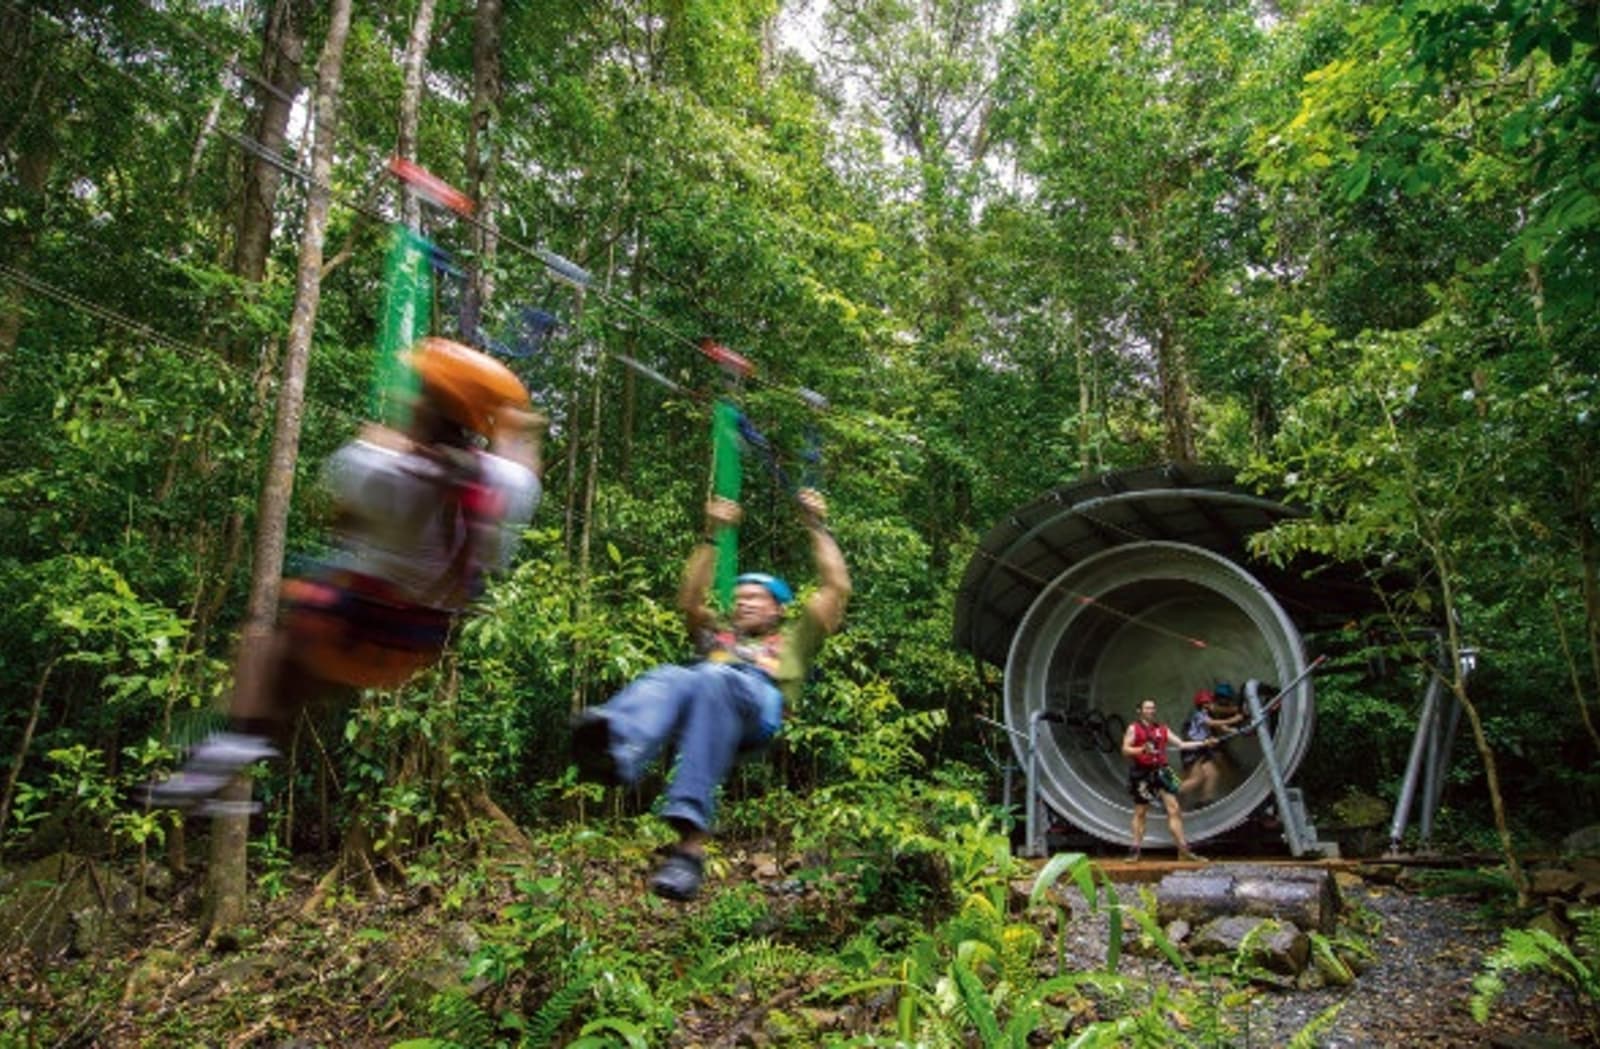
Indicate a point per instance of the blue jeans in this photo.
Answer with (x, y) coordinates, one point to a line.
(710, 711)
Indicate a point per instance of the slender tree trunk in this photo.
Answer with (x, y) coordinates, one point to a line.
(1589, 560)
(591, 484)
(33, 174)
(1172, 372)
(22, 747)
(1080, 356)
(415, 60)
(630, 385)
(1491, 769)
(225, 890)
(202, 139)
(483, 151)
(27, 121)
(574, 432)
(1574, 675)
(283, 42)
(283, 46)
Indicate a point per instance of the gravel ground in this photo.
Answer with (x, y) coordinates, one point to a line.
(1415, 993)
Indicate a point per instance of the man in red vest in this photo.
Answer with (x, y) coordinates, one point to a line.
(1145, 745)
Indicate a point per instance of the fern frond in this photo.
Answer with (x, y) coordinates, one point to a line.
(557, 1009)
(975, 999)
(1309, 1036)
(1532, 950)
(751, 960)
(456, 1019)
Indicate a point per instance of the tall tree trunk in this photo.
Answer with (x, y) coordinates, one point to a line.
(591, 484)
(26, 121)
(1582, 480)
(1085, 366)
(283, 45)
(483, 151)
(630, 385)
(33, 174)
(416, 58)
(1172, 372)
(225, 889)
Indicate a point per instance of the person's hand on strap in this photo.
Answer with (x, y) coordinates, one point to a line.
(722, 513)
(827, 603)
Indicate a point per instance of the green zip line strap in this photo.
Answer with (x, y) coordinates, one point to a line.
(407, 304)
(727, 473)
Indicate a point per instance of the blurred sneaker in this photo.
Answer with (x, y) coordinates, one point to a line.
(212, 765)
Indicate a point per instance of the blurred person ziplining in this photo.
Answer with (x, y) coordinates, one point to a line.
(422, 514)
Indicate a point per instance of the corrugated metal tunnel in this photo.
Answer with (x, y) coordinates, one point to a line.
(1135, 585)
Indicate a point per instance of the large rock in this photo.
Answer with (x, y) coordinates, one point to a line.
(444, 970)
(60, 903)
(1276, 946)
(1585, 841)
(1555, 881)
(1306, 896)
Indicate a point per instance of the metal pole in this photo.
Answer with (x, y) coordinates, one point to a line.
(1446, 739)
(1408, 785)
(1008, 775)
(1287, 812)
(1033, 848)
(1443, 741)
(1031, 845)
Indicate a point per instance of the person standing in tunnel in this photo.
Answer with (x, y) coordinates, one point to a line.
(1202, 770)
(1145, 745)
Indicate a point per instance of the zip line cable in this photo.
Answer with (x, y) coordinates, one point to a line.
(559, 267)
(98, 311)
(190, 350)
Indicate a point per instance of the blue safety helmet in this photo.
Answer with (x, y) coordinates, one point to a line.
(776, 587)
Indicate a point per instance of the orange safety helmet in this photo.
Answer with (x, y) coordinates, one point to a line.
(467, 386)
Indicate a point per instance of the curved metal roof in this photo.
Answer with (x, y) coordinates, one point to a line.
(1201, 505)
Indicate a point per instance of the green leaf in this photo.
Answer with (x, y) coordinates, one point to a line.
(627, 1030)
(1075, 863)
(980, 1010)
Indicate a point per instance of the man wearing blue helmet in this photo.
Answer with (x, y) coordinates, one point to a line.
(731, 699)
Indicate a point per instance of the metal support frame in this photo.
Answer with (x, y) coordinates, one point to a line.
(1430, 754)
(1033, 844)
(1298, 832)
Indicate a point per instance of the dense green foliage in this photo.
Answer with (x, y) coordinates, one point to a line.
(1353, 247)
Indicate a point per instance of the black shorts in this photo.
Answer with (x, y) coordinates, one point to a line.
(1145, 783)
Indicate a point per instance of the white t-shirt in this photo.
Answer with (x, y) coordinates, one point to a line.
(401, 520)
